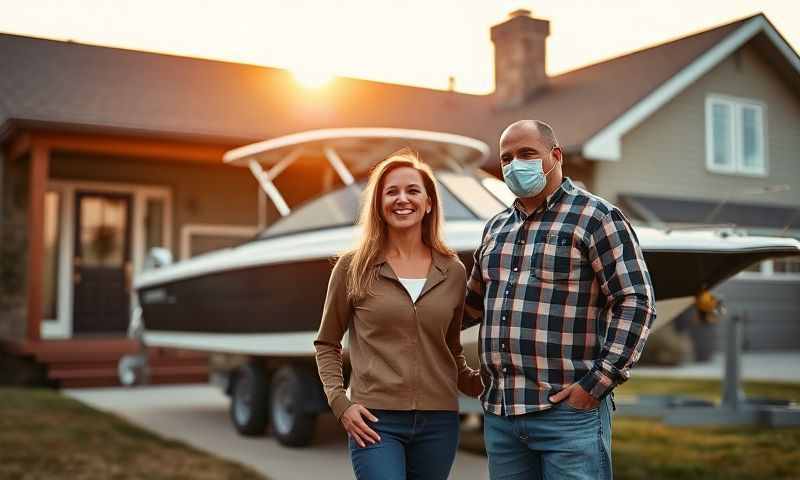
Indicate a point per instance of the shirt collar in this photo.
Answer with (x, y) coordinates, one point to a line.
(438, 260)
(566, 187)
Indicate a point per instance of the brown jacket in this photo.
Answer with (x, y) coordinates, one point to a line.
(404, 355)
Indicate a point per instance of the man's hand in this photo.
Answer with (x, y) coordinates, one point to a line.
(353, 422)
(576, 397)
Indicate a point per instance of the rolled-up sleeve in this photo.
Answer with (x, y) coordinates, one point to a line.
(629, 313)
(336, 316)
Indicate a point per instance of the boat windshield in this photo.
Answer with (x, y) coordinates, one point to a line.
(464, 197)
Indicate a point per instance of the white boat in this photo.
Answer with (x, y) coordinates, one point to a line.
(257, 306)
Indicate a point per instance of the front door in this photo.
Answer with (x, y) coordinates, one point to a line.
(102, 267)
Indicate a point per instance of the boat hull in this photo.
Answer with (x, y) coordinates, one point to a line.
(288, 297)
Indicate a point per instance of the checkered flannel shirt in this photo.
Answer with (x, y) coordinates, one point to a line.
(563, 295)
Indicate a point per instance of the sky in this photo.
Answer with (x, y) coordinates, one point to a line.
(413, 42)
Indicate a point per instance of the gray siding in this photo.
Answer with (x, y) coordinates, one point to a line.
(666, 154)
(771, 311)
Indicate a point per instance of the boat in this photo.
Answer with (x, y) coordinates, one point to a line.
(257, 306)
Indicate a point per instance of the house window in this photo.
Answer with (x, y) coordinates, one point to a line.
(786, 266)
(52, 232)
(735, 136)
(154, 224)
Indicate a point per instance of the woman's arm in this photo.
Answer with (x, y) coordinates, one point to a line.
(328, 344)
(469, 380)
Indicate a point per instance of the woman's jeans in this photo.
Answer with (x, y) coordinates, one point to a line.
(415, 444)
(559, 443)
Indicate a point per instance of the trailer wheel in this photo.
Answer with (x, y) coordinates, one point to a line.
(249, 397)
(292, 424)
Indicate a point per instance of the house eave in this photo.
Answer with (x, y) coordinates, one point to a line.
(606, 144)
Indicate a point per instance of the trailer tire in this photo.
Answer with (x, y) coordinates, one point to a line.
(249, 396)
(292, 424)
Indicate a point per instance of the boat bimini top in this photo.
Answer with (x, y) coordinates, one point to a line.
(352, 152)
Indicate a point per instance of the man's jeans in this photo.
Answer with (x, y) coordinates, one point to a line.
(559, 443)
(416, 444)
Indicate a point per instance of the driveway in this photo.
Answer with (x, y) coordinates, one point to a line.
(198, 415)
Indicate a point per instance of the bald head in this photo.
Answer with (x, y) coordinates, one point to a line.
(538, 128)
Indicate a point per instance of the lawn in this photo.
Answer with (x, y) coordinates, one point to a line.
(648, 449)
(44, 435)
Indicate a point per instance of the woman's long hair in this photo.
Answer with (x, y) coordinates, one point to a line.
(361, 274)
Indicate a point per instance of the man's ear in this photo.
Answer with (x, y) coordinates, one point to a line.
(558, 154)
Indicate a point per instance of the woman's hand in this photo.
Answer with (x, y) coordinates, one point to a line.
(470, 383)
(353, 422)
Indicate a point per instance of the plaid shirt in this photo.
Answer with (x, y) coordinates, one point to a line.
(562, 295)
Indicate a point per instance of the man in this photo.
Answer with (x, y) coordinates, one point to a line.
(565, 303)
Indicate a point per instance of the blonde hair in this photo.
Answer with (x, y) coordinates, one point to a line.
(361, 274)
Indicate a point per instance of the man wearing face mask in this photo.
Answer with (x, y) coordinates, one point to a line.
(565, 303)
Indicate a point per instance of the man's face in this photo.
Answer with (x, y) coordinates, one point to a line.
(525, 143)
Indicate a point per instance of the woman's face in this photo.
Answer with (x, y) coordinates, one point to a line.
(404, 200)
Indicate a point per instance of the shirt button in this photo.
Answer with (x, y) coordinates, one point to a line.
(503, 346)
(506, 292)
(505, 370)
(503, 317)
(516, 269)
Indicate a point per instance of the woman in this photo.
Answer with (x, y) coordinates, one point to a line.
(401, 295)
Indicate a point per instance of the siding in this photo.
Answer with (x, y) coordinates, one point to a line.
(666, 154)
(771, 310)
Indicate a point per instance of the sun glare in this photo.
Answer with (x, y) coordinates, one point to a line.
(312, 78)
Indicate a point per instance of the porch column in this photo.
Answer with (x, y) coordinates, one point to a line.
(37, 183)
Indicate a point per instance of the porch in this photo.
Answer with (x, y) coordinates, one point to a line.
(78, 363)
(78, 213)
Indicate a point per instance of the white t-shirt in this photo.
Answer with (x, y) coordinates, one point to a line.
(413, 286)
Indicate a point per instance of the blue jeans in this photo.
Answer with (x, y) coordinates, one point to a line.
(559, 443)
(414, 444)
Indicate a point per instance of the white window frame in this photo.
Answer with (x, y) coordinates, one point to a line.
(190, 229)
(61, 327)
(767, 272)
(737, 167)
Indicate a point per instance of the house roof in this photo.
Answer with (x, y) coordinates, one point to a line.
(697, 211)
(580, 102)
(76, 85)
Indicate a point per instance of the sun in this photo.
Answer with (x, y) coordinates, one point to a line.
(312, 78)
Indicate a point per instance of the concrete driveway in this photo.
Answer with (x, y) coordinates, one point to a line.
(198, 415)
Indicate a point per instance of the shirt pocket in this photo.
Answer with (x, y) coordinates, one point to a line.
(558, 258)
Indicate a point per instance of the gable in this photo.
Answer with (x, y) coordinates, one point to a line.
(606, 144)
(666, 155)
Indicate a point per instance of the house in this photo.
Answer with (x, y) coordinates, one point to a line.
(107, 153)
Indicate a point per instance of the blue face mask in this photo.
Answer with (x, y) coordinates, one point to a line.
(525, 178)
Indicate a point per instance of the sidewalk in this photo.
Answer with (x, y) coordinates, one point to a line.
(765, 366)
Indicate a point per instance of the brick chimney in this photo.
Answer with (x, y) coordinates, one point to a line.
(519, 57)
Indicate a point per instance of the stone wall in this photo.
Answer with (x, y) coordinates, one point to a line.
(13, 247)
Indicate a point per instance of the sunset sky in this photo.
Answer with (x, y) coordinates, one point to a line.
(419, 42)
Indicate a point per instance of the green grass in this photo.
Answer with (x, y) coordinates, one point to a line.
(44, 435)
(648, 449)
(707, 389)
